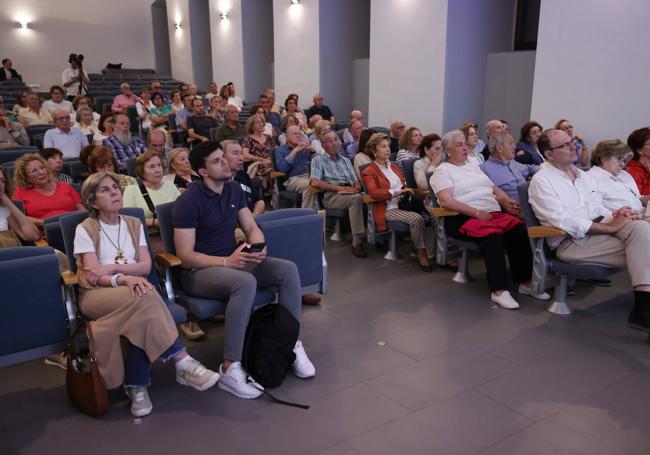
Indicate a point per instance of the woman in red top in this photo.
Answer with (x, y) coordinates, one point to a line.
(639, 166)
(39, 193)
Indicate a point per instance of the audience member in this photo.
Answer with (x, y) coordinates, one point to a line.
(567, 198)
(313, 120)
(204, 218)
(56, 101)
(527, 149)
(73, 81)
(200, 123)
(386, 185)
(293, 159)
(193, 90)
(40, 194)
(430, 153)
(105, 127)
(408, 144)
(54, 159)
(318, 108)
(261, 110)
(291, 108)
(465, 189)
(234, 156)
(101, 159)
(176, 100)
(85, 122)
(121, 143)
(354, 129)
(396, 130)
(125, 99)
(65, 137)
(581, 146)
(180, 169)
(183, 113)
(217, 108)
(213, 90)
(501, 167)
(34, 114)
(361, 157)
(8, 72)
(491, 127)
(334, 174)
(639, 166)
(257, 145)
(14, 224)
(142, 107)
(348, 136)
(231, 128)
(474, 149)
(11, 133)
(84, 101)
(287, 121)
(21, 100)
(156, 87)
(320, 128)
(113, 262)
(156, 141)
(233, 98)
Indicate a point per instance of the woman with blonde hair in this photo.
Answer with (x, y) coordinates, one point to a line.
(180, 169)
(581, 146)
(14, 224)
(409, 142)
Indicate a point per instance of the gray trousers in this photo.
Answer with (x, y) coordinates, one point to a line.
(352, 202)
(238, 287)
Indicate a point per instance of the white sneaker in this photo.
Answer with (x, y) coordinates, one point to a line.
(190, 372)
(505, 300)
(302, 366)
(140, 403)
(527, 290)
(57, 360)
(235, 380)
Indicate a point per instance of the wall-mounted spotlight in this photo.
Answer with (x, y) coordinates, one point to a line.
(294, 2)
(177, 25)
(224, 15)
(23, 24)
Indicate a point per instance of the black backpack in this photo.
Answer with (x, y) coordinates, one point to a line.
(271, 335)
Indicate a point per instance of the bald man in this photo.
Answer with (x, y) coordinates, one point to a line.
(348, 137)
(318, 108)
(491, 127)
(65, 137)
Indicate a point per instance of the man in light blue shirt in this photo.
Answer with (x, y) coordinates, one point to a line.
(501, 167)
(65, 137)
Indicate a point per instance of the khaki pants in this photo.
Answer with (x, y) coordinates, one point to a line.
(352, 202)
(301, 184)
(630, 247)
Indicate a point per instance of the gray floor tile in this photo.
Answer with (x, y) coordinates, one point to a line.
(341, 449)
(426, 340)
(464, 424)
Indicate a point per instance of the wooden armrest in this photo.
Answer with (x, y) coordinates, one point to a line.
(440, 212)
(168, 260)
(368, 200)
(535, 232)
(315, 190)
(41, 242)
(422, 192)
(276, 174)
(69, 278)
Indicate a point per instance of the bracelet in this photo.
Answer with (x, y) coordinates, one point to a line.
(225, 262)
(114, 279)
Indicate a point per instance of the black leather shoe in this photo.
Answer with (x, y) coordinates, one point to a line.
(639, 320)
(359, 251)
(426, 268)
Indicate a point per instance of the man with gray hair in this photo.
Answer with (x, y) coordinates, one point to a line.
(347, 133)
(65, 137)
(501, 167)
(491, 127)
(125, 99)
(293, 159)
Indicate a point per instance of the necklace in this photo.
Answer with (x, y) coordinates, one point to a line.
(119, 254)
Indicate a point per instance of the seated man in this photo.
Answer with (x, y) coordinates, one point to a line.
(335, 175)
(231, 128)
(501, 167)
(122, 144)
(183, 113)
(396, 130)
(565, 197)
(348, 135)
(11, 133)
(293, 158)
(233, 98)
(318, 108)
(234, 156)
(125, 99)
(491, 127)
(204, 218)
(199, 123)
(34, 114)
(8, 72)
(213, 90)
(65, 137)
(354, 129)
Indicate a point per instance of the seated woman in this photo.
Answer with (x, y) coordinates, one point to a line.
(465, 189)
(40, 194)
(113, 263)
(361, 158)
(261, 110)
(430, 153)
(101, 159)
(527, 151)
(105, 127)
(320, 128)
(180, 169)
(617, 187)
(176, 101)
(257, 147)
(54, 159)
(84, 101)
(14, 224)
(409, 142)
(143, 106)
(386, 184)
(85, 122)
(582, 151)
(291, 108)
(471, 140)
(217, 108)
(159, 112)
(639, 166)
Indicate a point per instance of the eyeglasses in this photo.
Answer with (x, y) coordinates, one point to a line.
(156, 145)
(561, 146)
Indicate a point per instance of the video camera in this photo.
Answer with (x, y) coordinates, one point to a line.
(76, 60)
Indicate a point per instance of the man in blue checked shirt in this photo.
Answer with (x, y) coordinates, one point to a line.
(122, 144)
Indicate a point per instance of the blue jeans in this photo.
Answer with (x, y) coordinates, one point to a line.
(137, 367)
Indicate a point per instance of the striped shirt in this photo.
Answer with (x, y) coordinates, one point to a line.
(337, 171)
(123, 152)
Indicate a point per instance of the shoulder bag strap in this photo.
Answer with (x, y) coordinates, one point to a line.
(147, 199)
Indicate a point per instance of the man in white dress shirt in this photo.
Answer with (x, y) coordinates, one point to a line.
(567, 198)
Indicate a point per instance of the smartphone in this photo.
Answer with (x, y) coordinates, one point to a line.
(255, 248)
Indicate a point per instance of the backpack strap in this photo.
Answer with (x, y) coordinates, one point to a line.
(147, 199)
(277, 400)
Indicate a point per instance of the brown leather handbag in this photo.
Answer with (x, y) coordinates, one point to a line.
(83, 381)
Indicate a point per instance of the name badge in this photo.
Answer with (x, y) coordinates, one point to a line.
(246, 188)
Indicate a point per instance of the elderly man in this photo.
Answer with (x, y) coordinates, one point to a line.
(122, 144)
(156, 140)
(8, 72)
(491, 127)
(335, 175)
(234, 156)
(213, 90)
(65, 137)
(156, 87)
(234, 99)
(565, 197)
(183, 113)
(355, 127)
(292, 159)
(272, 116)
(230, 129)
(125, 99)
(347, 134)
(321, 109)
(501, 167)
(11, 133)
(200, 123)
(396, 130)
(34, 114)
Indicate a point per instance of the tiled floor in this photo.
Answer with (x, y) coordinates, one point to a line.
(408, 363)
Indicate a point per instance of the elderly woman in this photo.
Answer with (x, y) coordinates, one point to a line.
(85, 122)
(408, 144)
(617, 187)
(261, 110)
(84, 101)
(527, 149)
(320, 128)
(471, 140)
(14, 224)
(361, 157)
(40, 194)
(639, 166)
(159, 112)
(101, 159)
(465, 189)
(581, 146)
(386, 185)
(257, 145)
(105, 127)
(113, 262)
(180, 169)
(54, 158)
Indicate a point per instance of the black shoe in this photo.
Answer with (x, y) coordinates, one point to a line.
(426, 268)
(639, 320)
(359, 251)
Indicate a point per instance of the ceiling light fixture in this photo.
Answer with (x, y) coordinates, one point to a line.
(224, 15)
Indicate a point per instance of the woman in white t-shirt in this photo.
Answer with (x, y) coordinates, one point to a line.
(113, 263)
(462, 187)
(56, 101)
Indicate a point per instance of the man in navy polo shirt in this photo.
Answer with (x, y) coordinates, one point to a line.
(204, 218)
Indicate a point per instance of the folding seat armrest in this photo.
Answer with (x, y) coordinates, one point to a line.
(168, 260)
(41, 242)
(368, 200)
(315, 190)
(276, 174)
(69, 278)
(440, 212)
(535, 232)
(422, 192)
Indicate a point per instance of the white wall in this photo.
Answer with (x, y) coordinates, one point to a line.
(201, 47)
(98, 29)
(180, 45)
(360, 77)
(474, 29)
(296, 44)
(407, 55)
(257, 37)
(595, 70)
(227, 47)
(509, 88)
